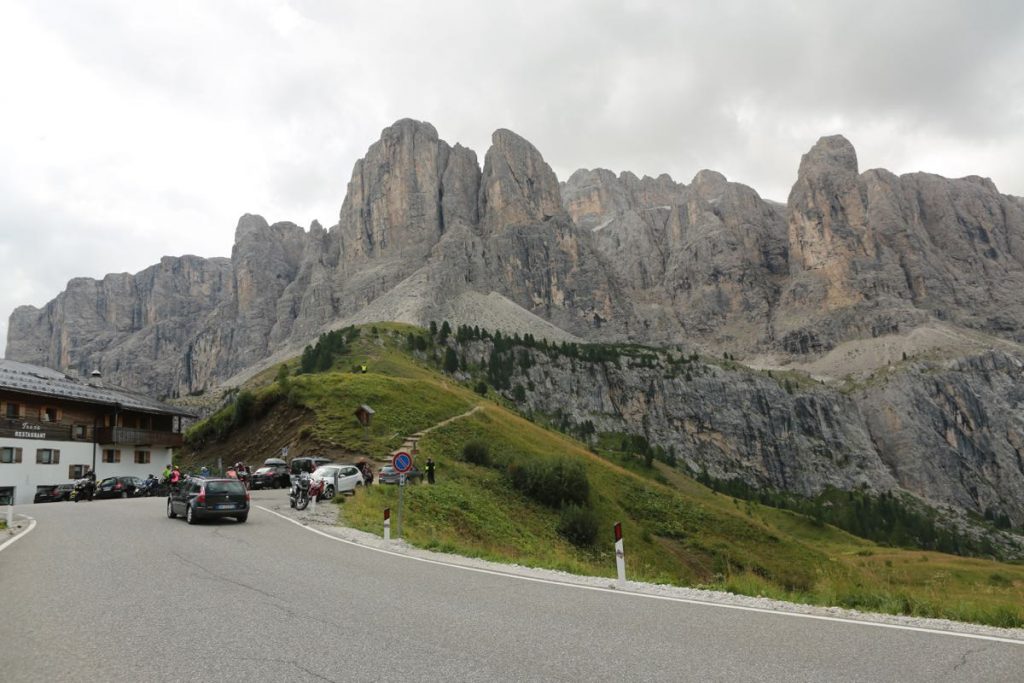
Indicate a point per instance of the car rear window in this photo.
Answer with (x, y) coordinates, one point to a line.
(264, 470)
(233, 487)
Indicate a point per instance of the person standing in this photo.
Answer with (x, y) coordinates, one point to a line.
(90, 484)
(430, 470)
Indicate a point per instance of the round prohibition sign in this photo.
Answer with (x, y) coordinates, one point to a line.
(402, 462)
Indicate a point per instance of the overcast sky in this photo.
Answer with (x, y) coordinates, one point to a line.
(133, 129)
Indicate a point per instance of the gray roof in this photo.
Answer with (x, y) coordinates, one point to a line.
(40, 381)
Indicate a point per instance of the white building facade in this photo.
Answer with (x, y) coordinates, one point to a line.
(54, 428)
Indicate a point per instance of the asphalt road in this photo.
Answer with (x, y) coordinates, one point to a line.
(115, 591)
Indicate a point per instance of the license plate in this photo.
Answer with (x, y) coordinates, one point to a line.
(224, 506)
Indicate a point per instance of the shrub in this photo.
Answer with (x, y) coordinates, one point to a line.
(579, 525)
(476, 452)
(481, 388)
(282, 377)
(553, 484)
(244, 404)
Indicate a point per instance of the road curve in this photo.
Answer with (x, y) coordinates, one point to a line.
(115, 591)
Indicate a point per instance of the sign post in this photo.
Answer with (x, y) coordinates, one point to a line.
(620, 556)
(402, 462)
(387, 524)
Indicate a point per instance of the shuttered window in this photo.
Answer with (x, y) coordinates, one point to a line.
(7, 456)
(111, 455)
(142, 457)
(48, 456)
(77, 471)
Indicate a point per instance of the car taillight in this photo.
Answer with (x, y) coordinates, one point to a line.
(247, 496)
(201, 498)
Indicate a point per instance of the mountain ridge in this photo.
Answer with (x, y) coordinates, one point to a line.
(603, 257)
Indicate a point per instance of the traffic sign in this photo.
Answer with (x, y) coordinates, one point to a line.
(402, 462)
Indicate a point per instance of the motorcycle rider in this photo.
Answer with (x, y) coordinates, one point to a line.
(167, 474)
(175, 478)
(86, 486)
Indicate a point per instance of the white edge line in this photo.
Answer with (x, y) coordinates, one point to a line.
(31, 526)
(690, 601)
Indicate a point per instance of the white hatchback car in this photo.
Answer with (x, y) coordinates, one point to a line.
(348, 478)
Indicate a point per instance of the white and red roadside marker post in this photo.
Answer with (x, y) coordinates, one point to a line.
(387, 524)
(620, 555)
(10, 515)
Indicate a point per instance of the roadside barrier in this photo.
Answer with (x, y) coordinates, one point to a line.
(620, 556)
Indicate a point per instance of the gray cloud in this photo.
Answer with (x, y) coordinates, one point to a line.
(155, 126)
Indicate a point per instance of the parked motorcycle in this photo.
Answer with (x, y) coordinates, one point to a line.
(150, 487)
(305, 488)
(83, 490)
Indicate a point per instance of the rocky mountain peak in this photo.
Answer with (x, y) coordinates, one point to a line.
(248, 225)
(392, 205)
(833, 156)
(710, 185)
(518, 186)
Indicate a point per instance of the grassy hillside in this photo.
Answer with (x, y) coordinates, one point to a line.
(676, 530)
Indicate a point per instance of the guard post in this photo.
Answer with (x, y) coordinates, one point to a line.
(387, 524)
(620, 556)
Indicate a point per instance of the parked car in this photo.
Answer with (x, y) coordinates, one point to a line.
(118, 487)
(200, 498)
(349, 477)
(53, 493)
(307, 463)
(271, 477)
(388, 475)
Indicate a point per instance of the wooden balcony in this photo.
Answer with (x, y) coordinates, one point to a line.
(128, 436)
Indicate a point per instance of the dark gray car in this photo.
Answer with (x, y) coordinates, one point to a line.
(198, 498)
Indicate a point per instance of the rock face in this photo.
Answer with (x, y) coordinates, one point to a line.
(704, 260)
(873, 253)
(950, 433)
(424, 233)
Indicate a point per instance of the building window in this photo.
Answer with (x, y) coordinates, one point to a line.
(12, 410)
(48, 456)
(80, 431)
(47, 414)
(142, 457)
(10, 456)
(111, 455)
(77, 471)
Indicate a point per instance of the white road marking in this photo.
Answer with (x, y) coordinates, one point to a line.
(31, 526)
(690, 601)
